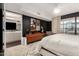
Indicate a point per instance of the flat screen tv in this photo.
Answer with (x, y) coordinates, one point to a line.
(10, 26)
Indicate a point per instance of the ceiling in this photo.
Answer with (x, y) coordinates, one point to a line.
(42, 10)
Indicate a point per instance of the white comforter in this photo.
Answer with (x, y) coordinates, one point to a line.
(64, 44)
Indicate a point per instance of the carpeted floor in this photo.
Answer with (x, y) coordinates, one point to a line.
(24, 50)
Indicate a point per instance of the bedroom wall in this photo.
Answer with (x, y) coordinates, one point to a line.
(13, 36)
(56, 24)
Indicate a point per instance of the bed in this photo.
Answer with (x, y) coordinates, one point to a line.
(60, 45)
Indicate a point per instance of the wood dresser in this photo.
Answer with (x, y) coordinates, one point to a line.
(34, 37)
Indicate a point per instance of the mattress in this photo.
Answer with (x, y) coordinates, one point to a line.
(64, 44)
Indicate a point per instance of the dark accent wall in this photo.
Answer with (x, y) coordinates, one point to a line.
(27, 22)
(46, 25)
(49, 26)
(43, 24)
(26, 25)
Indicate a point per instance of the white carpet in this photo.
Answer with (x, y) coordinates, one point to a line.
(23, 50)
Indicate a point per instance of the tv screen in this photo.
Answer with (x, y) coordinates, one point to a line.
(10, 26)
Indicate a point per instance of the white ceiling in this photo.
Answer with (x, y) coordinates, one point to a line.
(42, 10)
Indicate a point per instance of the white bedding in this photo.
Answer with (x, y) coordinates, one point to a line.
(64, 44)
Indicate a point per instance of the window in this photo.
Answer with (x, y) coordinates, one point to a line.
(67, 25)
(78, 25)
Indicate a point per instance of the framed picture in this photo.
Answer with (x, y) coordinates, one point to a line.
(35, 24)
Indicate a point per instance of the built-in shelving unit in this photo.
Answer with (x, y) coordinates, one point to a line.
(13, 26)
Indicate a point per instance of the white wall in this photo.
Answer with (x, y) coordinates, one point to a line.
(56, 24)
(13, 36)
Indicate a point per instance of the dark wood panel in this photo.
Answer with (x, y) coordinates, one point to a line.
(26, 25)
(46, 25)
(43, 24)
(49, 26)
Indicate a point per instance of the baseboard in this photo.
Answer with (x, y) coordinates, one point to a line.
(14, 43)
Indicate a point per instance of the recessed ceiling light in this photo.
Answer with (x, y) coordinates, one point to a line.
(56, 11)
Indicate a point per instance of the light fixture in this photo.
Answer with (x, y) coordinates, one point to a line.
(56, 11)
